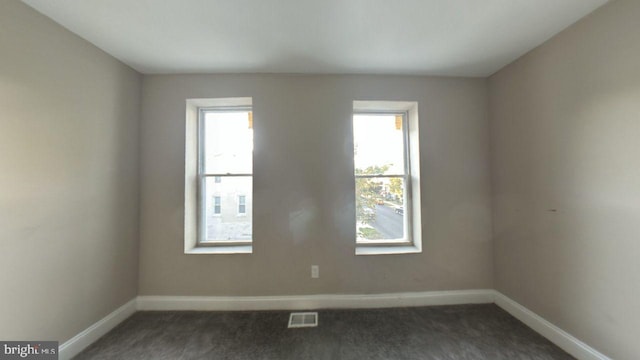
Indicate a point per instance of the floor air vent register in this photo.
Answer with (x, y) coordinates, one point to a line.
(303, 319)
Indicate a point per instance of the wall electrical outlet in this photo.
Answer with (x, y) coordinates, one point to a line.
(315, 271)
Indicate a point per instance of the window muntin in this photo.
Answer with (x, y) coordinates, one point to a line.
(382, 178)
(225, 165)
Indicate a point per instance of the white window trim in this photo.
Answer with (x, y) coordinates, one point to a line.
(413, 224)
(193, 202)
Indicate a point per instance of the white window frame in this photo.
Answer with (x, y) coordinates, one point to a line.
(412, 240)
(406, 177)
(203, 175)
(195, 176)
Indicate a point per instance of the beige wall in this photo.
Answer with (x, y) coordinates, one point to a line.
(68, 179)
(565, 127)
(303, 188)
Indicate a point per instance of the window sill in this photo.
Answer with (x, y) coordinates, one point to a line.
(387, 250)
(228, 250)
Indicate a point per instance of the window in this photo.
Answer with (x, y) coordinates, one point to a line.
(242, 204)
(226, 152)
(216, 205)
(386, 177)
(219, 176)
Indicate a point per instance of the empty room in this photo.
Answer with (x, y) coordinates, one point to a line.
(336, 179)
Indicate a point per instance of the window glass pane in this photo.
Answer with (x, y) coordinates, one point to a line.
(378, 145)
(227, 223)
(380, 208)
(228, 143)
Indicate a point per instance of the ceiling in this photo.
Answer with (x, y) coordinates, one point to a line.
(431, 37)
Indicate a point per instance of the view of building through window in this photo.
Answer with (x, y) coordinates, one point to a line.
(380, 176)
(227, 166)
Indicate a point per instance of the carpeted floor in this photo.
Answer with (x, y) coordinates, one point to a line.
(438, 332)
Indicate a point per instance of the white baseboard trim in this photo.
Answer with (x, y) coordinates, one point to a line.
(564, 340)
(79, 342)
(553, 333)
(310, 302)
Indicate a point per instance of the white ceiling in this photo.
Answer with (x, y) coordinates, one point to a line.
(434, 37)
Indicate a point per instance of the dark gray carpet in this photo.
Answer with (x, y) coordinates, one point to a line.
(438, 332)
